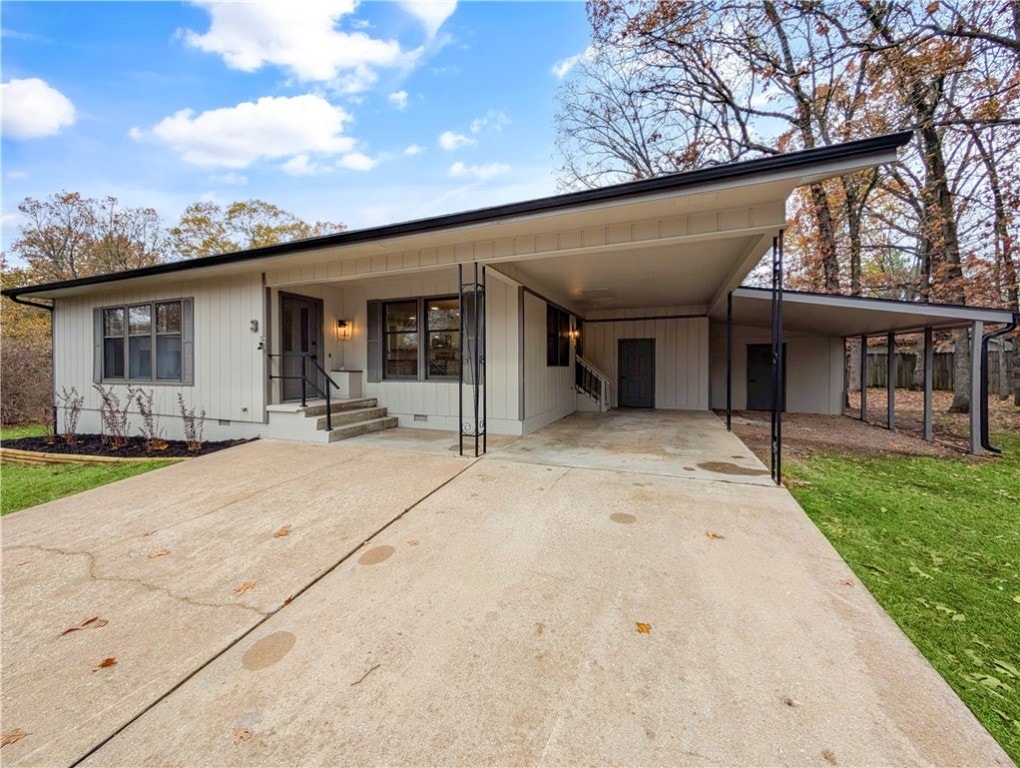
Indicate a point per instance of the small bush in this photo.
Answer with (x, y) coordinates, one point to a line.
(27, 383)
(192, 425)
(150, 421)
(114, 415)
(72, 403)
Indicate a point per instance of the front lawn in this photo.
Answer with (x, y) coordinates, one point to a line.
(937, 542)
(14, 433)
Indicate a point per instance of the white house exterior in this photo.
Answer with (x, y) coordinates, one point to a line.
(641, 270)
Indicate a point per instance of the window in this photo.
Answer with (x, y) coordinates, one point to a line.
(414, 339)
(144, 342)
(557, 336)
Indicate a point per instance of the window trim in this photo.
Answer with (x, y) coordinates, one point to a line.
(428, 338)
(558, 355)
(386, 333)
(424, 338)
(186, 336)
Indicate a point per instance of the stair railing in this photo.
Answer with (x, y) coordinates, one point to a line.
(306, 381)
(592, 382)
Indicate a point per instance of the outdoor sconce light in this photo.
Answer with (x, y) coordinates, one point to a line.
(343, 329)
(574, 334)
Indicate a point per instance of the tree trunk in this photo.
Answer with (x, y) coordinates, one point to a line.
(854, 366)
(961, 371)
(917, 382)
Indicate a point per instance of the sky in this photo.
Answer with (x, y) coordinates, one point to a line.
(358, 113)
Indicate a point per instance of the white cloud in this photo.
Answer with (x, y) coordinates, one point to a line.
(398, 99)
(357, 161)
(16, 175)
(32, 109)
(431, 13)
(562, 67)
(495, 120)
(272, 127)
(301, 165)
(302, 38)
(480, 172)
(450, 140)
(413, 150)
(235, 179)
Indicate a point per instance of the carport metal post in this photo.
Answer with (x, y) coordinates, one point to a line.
(864, 377)
(729, 361)
(929, 364)
(778, 384)
(976, 391)
(890, 384)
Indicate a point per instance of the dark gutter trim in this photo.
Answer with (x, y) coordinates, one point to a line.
(670, 182)
(919, 304)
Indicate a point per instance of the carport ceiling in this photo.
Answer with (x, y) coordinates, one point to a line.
(851, 316)
(677, 275)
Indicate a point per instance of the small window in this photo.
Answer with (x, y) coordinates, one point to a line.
(443, 339)
(142, 342)
(557, 336)
(400, 320)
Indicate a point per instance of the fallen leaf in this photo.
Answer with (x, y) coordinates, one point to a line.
(288, 600)
(81, 625)
(791, 702)
(846, 582)
(109, 661)
(10, 737)
(714, 535)
(244, 587)
(241, 734)
(643, 629)
(283, 531)
(919, 572)
(830, 758)
(1016, 598)
(413, 542)
(1007, 668)
(158, 553)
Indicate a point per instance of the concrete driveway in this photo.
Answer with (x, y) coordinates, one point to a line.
(428, 609)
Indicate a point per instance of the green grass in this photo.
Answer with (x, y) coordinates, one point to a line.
(13, 433)
(937, 541)
(25, 486)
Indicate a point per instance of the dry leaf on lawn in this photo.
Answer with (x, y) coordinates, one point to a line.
(283, 531)
(714, 535)
(241, 734)
(158, 553)
(644, 629)
(9, 737)
(109, 661)
(244, 587)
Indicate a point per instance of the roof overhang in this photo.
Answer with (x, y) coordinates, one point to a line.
(713, 224)
(844, 316)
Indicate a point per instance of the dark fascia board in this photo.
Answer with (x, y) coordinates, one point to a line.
(634, 189)
(988, 314)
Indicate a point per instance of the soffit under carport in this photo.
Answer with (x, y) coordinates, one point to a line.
(844, 316)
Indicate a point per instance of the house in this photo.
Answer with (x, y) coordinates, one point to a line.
(625, 296)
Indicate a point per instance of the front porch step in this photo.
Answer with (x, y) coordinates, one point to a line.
(350, 416)
(362, 428)
(319, 409)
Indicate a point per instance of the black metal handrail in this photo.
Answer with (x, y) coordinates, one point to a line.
(305, 381)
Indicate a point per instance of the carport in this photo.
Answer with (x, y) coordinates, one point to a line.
(844, 317)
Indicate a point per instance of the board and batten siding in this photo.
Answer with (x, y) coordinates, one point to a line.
(229, 368)
(549, 392)
(681, 354)
(434, 402)
(814, 369)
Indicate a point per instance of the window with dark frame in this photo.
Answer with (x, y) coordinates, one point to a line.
(557, 336)
(425, 330)
(400, 348)
(442, 343)
(143, 342)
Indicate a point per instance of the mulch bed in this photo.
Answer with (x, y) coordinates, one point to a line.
(98, 445)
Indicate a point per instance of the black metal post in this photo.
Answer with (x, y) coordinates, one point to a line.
(460, 349)
(475, 360)
(778, 381)
(304, 378)
(729, 361)
(483, 351)
(864, 377)
(781, 394)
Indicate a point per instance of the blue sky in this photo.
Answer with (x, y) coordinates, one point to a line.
(356, 113)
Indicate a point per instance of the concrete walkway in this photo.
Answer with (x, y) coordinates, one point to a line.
(491, 615)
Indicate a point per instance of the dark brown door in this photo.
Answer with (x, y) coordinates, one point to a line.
(300, 332)
(759, 377)
(637, 373)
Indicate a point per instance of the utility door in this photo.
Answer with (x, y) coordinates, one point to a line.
(759, 377)
(300, 331)
(637, 373)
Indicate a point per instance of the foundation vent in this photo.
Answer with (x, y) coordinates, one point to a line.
(421, 417)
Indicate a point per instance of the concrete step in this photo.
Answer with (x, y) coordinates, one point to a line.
(362, 428)
(344, 417)
(319, 409)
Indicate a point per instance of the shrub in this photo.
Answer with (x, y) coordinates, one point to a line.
(114, 415)
(192, 425)
(150, 421)
(72, 403)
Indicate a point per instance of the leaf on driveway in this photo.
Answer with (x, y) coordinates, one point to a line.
(283, 531)
(241, 734)
(109, 661)
(714, 535)
(643, 629)
(158, 553)
(94, 623)
(244, 587)
(10, 737)
(413, 542)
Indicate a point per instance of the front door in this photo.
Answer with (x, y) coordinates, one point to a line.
(759, 377)
(300, 332)
(637, 373)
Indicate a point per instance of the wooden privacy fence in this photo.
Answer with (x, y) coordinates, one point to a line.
(942, 373)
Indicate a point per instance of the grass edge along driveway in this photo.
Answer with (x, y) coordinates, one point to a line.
(937, 542)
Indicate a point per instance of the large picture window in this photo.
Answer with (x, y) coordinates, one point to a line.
(419, 338)
(143, 342)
